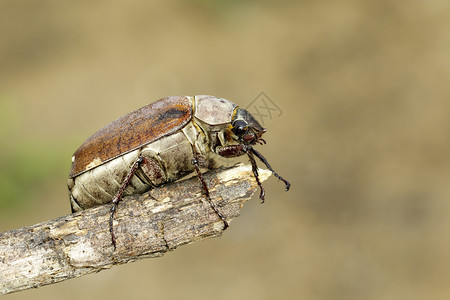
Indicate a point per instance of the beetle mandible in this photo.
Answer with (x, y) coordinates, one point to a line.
(160, 143)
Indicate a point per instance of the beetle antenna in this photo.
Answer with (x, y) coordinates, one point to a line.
(264, 160)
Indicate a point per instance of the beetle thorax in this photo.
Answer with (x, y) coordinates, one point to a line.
(213, 115)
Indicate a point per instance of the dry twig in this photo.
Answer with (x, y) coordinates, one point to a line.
(146, 225)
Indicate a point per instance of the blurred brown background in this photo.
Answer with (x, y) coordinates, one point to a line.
(363, 137)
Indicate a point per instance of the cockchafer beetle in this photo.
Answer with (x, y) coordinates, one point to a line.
(160, 143)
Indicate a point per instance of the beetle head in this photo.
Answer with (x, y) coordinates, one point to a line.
(245, 128)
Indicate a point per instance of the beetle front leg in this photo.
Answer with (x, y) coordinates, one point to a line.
(255, 173)
(232, 150)
(197, 161)
(264, 160)
(238, 150)
(118, 196)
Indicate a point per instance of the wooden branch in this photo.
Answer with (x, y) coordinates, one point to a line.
(146, 225)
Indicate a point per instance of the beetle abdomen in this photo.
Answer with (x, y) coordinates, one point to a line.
(99, 185)
(166, 159)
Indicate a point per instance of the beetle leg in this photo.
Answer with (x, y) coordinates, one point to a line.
(195, 161)
(264, 160)
(118, 196)
(255, 173)
(152, 169)
(238, 150)
(232, 150)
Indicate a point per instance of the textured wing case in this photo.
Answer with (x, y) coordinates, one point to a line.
(138, 128)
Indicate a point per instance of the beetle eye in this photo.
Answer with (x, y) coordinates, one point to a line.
(239, 127)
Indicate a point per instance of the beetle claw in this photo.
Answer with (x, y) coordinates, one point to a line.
(261, 195)
(262, 141)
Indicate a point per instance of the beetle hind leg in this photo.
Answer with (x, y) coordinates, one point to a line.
(118, 197)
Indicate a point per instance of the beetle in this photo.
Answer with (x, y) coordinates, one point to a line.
(159, 143)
